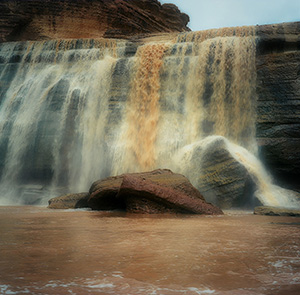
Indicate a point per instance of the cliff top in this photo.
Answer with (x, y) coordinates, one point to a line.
(74, 19)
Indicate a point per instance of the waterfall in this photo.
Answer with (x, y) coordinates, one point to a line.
(53, 113)
(74, 111)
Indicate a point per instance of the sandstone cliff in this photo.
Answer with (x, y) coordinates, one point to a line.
(75, 19)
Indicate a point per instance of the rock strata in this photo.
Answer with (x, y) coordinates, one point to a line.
(216, 173)
(68, 19)
(278, 105)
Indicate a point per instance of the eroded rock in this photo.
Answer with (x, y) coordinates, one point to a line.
(67, 19)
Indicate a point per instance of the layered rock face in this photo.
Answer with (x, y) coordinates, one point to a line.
(278, 106)
(69, 19)
(273, 211)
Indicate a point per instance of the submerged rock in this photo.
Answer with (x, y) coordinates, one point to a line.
(157, 191)
(70, 201)
(275, 211)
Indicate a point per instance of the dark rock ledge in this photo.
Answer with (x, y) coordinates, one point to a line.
(274, 211)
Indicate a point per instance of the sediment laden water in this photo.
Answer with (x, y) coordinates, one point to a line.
(143, 107)
(61, 252)
(74, 111)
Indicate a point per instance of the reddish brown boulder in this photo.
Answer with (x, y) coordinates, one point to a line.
(103, 194)
(157, 191)
(145, 196)
(75, 19)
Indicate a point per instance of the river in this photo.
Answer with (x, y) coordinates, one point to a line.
(47, 251)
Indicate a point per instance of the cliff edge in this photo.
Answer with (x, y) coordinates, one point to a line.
(75, 19)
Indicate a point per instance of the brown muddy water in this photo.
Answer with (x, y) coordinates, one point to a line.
(84, 252)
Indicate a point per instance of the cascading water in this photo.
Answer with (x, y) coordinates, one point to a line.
(54, 111)
(74, 111)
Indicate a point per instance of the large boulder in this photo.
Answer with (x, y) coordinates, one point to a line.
(103, 194)
(69, 201)
(68, 19)
(216, 172)
(230, 176)
(146, 196)
(160, 190)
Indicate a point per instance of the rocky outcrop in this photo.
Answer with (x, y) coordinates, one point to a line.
(157, 191)
(216, 173)
(68, 19)
(278, 106)
(275, 211)
(70, 201)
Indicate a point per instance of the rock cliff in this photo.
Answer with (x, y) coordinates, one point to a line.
(278, 106)
(75, 19)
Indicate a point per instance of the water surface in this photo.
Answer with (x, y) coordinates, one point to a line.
(83, 252)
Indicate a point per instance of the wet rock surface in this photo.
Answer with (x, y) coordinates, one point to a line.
(220, 177)
(274, 211)
(68, 19)
(69, 201)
